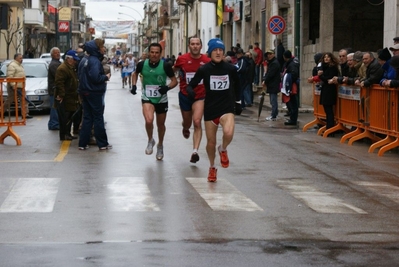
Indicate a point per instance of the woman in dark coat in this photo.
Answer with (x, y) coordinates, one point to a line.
(328, 95)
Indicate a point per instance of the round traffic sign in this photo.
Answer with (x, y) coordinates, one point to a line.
(276, 25)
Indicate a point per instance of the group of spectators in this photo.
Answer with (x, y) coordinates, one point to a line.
(278, 65)
(248, 64)
(77, 88)
(353, 68)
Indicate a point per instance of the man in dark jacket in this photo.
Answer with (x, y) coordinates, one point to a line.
(280, 51)
(66, 94)
(374, 72)
(343, 61)
(52, 68)
(251, 72)
(292, 67)
(92, 86)
(242, 70)
(271, 80)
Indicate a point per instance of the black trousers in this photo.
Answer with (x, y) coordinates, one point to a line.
(64, 119)
(329, 110)
(292, 107)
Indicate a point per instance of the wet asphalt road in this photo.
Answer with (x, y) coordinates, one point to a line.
(289, 198)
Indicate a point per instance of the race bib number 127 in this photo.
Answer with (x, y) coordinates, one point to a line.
(221, 82)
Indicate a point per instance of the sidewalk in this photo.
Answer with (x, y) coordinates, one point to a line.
(305, 111)
(281, 106)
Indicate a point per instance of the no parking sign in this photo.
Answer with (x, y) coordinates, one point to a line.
(276, 25)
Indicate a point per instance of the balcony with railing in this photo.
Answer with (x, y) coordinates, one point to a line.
(13, 3)
(34, 17)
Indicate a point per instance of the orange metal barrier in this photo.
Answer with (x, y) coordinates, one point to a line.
(9, 120)
(318, 110)
(374, 112)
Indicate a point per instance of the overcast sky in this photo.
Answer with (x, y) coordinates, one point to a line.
(108, 10)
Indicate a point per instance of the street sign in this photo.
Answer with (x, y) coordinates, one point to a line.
(64, 13)
(276, 25)
(63, 26)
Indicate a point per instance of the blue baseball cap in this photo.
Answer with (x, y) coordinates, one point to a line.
(72, 54)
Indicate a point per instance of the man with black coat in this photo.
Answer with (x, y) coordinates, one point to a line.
(52, 68)
(374, 72)
(251, 72)
(292, 67)
(271, 80)
(242, 69)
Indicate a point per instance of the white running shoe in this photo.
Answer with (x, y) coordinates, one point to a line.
(150, 146)
(159, 152)
(270, 118)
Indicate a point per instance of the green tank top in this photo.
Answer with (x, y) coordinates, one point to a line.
(152, 79)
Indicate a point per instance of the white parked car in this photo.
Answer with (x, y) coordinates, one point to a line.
(36, 71)
(47, 57)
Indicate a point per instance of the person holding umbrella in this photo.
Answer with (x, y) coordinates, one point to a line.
(271, 80)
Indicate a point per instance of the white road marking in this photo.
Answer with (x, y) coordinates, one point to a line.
(223, 196)
(130, 194)
(318, 201)
(385, 189)
(32, 195)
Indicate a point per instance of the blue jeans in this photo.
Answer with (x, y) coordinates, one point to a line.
(274, 104)
(246, 98)
(53, 120)
(256, 78)
(93, 115)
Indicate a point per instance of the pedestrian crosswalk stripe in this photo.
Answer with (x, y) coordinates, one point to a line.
(223, 196)
(130, 194)
(385, 189)
(32, 195)
(317, 200)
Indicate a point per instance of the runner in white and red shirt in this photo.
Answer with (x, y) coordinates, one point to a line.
(192, 111)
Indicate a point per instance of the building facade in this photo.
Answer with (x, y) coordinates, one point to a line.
(35, 26)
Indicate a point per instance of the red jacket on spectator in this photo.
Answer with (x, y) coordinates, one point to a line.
(259, 57)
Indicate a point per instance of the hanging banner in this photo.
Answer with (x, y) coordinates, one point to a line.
(114, 29)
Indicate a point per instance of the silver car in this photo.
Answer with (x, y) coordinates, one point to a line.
(36, 71)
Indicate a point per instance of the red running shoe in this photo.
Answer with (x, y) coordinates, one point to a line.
(212, 175)
(224, 158)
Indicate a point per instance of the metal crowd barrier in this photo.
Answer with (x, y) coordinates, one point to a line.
(364, 113)
(6, 119)
(318, 110)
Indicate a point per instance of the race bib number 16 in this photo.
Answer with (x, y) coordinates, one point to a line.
(221, 82)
